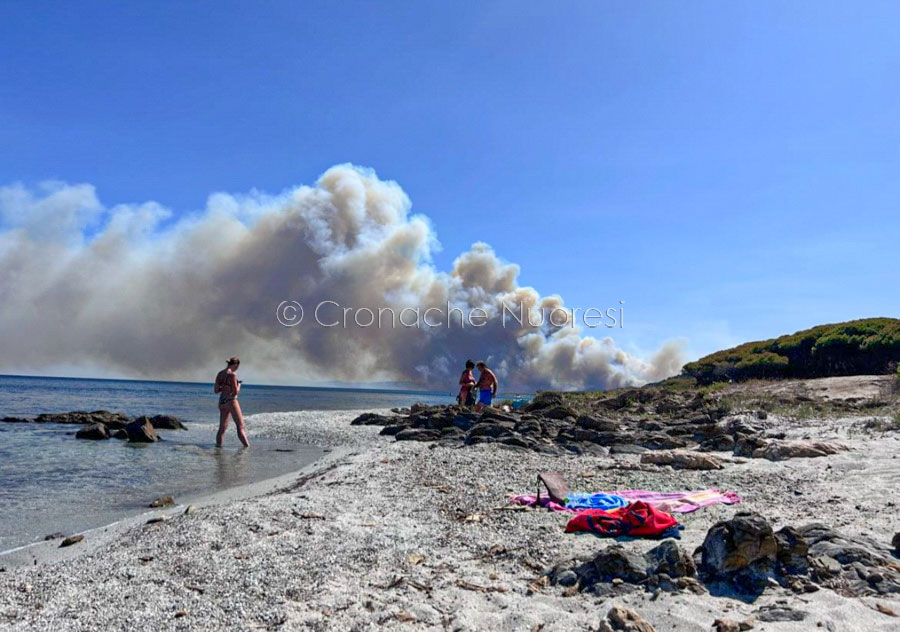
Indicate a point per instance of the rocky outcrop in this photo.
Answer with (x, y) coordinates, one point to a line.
(683, 460)
(618, 568)
(92, 422)
(93, 431)
(110, 420)
(547, 424)
(740, 552)
(781, 450)
(141, 431)
(745, 555)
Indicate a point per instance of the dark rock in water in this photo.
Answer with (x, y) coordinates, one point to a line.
(162, 501)
(111, 420)
(774, 612)
(72, 539)
(120, 434)
(15, 420)
(141, 431)
(896, 542)
(93, 431)
(167, 422)
(418, 434)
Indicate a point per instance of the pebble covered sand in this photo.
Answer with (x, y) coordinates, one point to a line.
(409, 535)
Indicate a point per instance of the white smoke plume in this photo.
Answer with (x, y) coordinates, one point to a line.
(127, 290)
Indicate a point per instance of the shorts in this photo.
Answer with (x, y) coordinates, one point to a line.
(485, 396)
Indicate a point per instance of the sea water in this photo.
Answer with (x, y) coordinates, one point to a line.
(52, 482)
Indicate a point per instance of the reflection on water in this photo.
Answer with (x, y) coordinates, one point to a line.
(231, 468)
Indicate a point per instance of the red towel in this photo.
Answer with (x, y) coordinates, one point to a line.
(637, 519)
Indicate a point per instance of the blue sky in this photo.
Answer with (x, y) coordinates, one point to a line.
(730, 170)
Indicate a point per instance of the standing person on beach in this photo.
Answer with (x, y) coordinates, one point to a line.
(228, 386)
(466, 395)
(487, 386)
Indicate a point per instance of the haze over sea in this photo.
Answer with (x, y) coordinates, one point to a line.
(52, 482)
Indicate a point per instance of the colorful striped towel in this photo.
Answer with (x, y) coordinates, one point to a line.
(679, 502)
(671, 502)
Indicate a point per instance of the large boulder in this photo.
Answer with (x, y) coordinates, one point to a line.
(781, 450)
(741, 551)
(111, 420)
(683, 460)
(93, 431)
(418, 434)
(373, 419)
(167, 422)
(141, 431)
(670, 559)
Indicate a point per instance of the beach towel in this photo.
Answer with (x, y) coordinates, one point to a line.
(594, 501)
(545, 501)
(638, 519)
(679, 502)
(670, 502)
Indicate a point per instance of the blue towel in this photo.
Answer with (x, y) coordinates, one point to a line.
(607, 502)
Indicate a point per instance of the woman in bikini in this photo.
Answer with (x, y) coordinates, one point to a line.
(228, 387)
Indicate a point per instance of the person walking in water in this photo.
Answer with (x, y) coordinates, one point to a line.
(466, 395)
(487, 386)
(228, 386)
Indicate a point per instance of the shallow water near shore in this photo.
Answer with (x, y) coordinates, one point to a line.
(52, 482)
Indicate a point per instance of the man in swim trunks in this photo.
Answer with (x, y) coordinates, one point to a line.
(228, 386)
(487, 386)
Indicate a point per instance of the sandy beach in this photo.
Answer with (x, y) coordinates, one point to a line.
(417, 535)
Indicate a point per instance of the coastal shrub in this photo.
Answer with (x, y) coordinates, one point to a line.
(859, 347)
